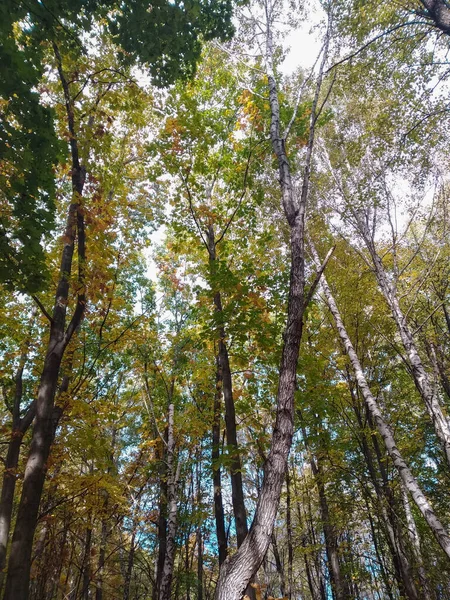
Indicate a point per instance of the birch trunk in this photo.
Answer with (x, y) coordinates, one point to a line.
(162, 518)
(421, 378)
(384, 430)
(172, 512)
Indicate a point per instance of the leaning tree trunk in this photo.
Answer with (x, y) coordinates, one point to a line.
(17, 582)
(384, 430)
(389, 514)
(239, 568)
(419, 373)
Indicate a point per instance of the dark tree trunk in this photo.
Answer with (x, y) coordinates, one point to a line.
(278, 565)
(289, 535)
(238, 569)
(9, 485)
(217, 475)
(438, 12)
(19, 427)
(317, 591)
(225, 379)
(17, 582)
(101, 560)
(199, 564)
(86, 568)
(130, 564)
(338, 583)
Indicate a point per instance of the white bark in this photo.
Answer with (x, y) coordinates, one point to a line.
(384, 430)
(172, 481)
(421, 378)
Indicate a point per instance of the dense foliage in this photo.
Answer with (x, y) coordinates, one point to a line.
(168, 194)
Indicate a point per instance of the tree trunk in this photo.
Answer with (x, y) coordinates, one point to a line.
(338, 583)
(278, 565)
(238, 569)
(415, 543)
(380, 556)
(438, 11)
(384, 430)
(199, 564)
(224, 378)
(162, 518)
(19, 427)
(289, 535)
(420, 375)
(317, 591)
(86, 567)
(9, 485)
(172, 481)
(101, 561)
(217, 475)
(130, 563)
(19, 565)
(386, 501)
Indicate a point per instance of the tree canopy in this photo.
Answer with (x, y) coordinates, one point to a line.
(224, 316)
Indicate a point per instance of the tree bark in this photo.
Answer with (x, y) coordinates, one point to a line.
(9, 484)
(86, 567)
(19, 565)
(437, 11)
(338, 584)
(386, 501)
(240, 568)
(130, 563)
(224, 379)
(162, 517)
(419, 373)
(20, 426)
(278, 565)
(172, 509)
(217, 475)
(199, 564)
(384, 430)
(415, 543)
